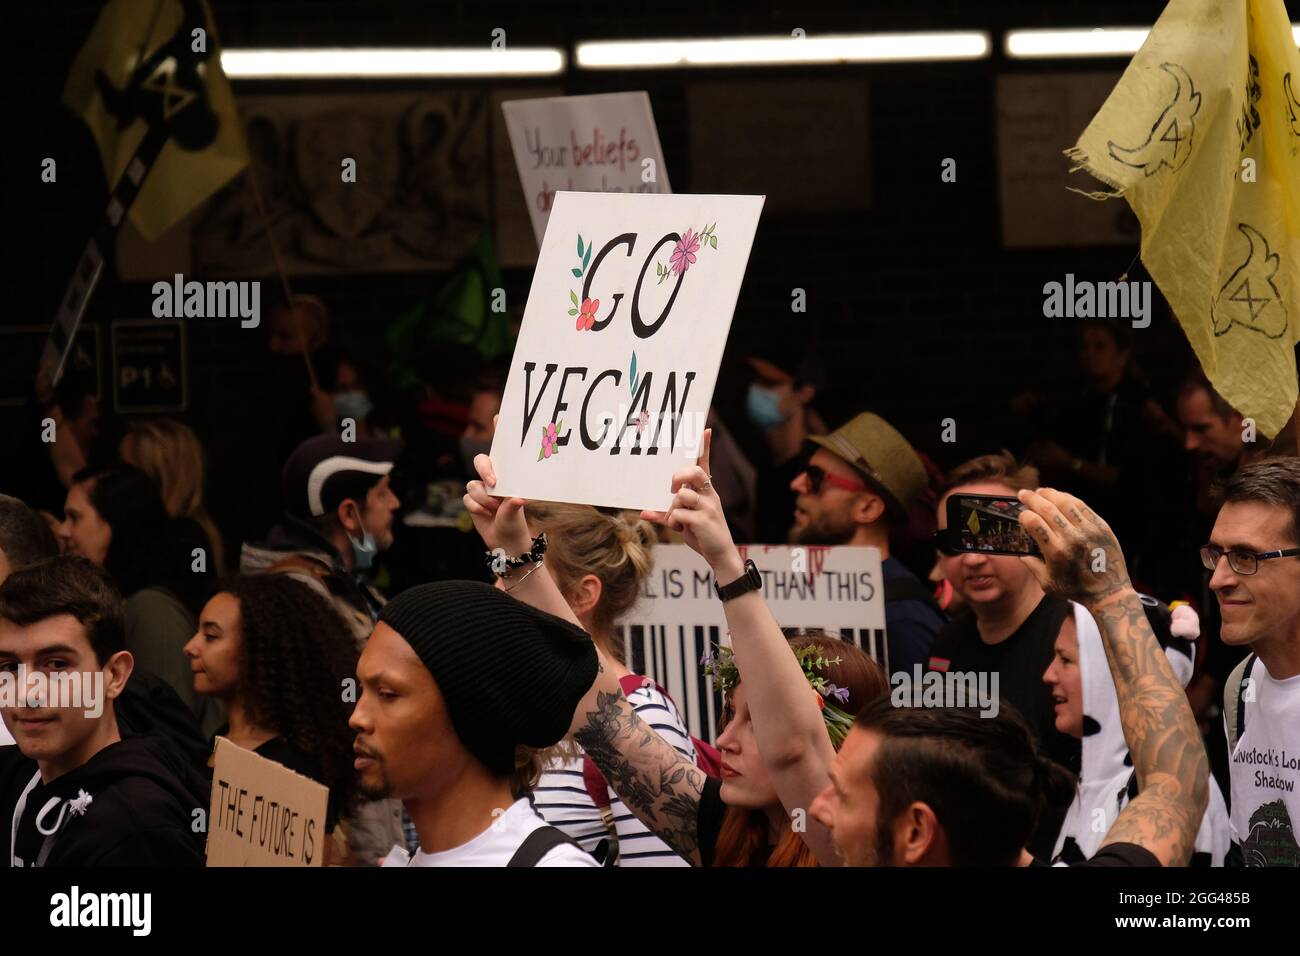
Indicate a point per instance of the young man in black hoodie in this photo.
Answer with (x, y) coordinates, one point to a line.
(72, 790)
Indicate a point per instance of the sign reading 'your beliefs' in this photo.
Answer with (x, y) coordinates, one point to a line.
(623, 333)
(602, 143)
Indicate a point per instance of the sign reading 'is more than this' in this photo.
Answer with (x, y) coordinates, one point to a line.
(613, 373)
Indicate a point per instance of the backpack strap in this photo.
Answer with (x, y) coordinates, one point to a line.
(1234, 701)
(539, 843)
(594, 782)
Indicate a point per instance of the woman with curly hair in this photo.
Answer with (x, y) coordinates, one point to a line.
(278, 655)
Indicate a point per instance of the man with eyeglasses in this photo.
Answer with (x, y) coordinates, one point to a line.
(857, 487)
(1254, 557)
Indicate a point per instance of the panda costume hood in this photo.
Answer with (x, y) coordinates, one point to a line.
(1106, 780)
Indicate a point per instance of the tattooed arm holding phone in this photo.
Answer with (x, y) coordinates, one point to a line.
(1081, 560)
(656, 782)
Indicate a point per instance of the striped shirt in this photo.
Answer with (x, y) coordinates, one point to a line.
(561, 797)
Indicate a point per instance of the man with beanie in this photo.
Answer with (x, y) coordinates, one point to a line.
(855, 490)
(338, 514)
(461, 685)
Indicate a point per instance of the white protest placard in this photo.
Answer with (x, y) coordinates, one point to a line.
(603, 143)
(613, 372)
(679, 619)
(262, 813)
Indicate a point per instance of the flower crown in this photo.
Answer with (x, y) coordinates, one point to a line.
(721, 666)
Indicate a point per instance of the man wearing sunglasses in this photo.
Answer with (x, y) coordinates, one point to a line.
(1254, 557)
(858, 486)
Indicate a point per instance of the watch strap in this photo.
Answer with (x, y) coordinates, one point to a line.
(751, 580)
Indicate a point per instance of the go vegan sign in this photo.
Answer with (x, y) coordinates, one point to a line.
(623, 333)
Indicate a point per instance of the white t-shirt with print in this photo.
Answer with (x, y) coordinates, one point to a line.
(496, 845)
(1265, 772)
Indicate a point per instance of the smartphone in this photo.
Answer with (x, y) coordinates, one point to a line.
(987, 524)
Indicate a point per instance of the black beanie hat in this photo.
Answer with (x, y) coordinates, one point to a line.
(510, 674)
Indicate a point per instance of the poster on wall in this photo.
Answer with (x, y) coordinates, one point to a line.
(20, 352)
(149, 366)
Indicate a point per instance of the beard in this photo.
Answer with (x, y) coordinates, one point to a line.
(825, 528)
(376, 791)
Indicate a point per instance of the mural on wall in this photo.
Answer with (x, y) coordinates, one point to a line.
(419, 200)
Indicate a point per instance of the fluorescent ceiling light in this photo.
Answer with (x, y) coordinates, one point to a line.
(767, 51)
(1099, 41)
(389, 62)
(1095, 41)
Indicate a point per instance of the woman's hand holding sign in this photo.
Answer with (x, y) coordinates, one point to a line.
(500, 522)
(696, 513)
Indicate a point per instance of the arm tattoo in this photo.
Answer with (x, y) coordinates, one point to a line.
(657, 783)
(1163, 739)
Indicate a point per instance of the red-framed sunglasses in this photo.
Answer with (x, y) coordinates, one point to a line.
(818, 476)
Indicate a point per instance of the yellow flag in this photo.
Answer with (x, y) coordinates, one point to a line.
(156, 63)
(1202, 137)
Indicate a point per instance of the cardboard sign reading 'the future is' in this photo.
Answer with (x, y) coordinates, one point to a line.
(262, 813)
(612, 376)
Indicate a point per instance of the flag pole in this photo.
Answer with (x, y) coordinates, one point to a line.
(279, 268)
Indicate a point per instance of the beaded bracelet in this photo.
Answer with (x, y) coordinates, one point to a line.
(524, 577)
(502, 565)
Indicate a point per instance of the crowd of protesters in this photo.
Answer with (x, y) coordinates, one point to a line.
(502, 723)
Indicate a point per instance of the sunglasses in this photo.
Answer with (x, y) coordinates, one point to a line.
(943, 542)
(1243, 562)
(817, 477)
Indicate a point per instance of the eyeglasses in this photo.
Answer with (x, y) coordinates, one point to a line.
(1243, 562)
(820, 476)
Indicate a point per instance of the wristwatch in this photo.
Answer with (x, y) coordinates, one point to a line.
(751, 580)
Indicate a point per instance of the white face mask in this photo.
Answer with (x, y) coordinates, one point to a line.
(363, 551)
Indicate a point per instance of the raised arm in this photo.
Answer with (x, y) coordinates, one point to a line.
(656, 782)
(788, 726)
(1083, 562)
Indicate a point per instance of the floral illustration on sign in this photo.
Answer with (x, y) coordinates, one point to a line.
(586, 314)
(644, 418)
(683, 255)
(586, 309)
(550, 440)
(684, 252)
